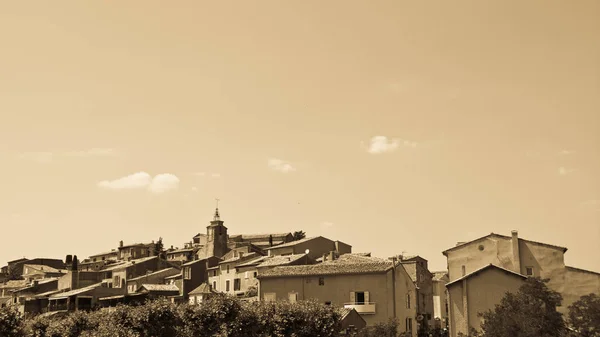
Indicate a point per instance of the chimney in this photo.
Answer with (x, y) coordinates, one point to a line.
(171, 247)
(121, 244)
(324, 257)
(331, 255)
(515, 251)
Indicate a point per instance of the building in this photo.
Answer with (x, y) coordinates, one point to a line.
(15, 267)
(477, 292)
(36, 272)
(135, 251)
(180, 255)
(351, 321)
(201, 294)
(524, 257)
(378, 289)
(157, 277)
(193, 274)
(263, 240)
(314, 247)
(418, 270)
(440, 299)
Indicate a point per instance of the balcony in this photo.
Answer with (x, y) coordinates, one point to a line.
(363, 308)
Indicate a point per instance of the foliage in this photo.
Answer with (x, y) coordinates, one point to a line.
(159, 248)
(584, 316)
(299, 235)
(11, 322)
(383, 329)
(529, 312)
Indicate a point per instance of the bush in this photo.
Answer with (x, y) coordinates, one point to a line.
(11, 322)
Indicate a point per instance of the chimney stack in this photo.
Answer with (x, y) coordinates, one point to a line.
(331, 255)
(121, 244)
(515, 250)
(324, 257)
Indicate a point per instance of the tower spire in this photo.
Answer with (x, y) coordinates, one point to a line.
(217, 217)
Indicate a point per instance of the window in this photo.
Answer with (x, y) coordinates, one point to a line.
(529, 271)
(255, 273)
(215, 272)
(227, 269)
(246, 275)
(321, 281)
(227, 285)
(463, 271)
(117, 281)
(408, 324)
(359, 297)
(214, 285)
(187, 273)
(407, 301)
(293, 297)
(269, 297)
(236, 284)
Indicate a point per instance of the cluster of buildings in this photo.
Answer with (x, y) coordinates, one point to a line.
(284, 267)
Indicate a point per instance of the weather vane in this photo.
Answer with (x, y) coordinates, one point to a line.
(217, 199)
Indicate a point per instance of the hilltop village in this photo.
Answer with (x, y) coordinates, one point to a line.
(291, 267)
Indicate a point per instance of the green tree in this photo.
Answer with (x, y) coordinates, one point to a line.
(584, 316)
(299, 235)
(531, 312)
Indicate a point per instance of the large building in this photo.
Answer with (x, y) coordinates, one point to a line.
(523, 257)
(378, 289)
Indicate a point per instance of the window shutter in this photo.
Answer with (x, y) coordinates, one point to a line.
(352, 297)
(366, 297)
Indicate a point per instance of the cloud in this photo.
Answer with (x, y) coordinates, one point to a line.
(40, 157)
(381, 144)
(142, 180)
(94, 152)
(563, 171)
(280, 165)
(327, 224)
(46, 157)
(565, 152)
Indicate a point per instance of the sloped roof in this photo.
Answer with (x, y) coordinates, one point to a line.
(202, 289)
(237, 258)
(260, 236)
(152, 274)
(173, 276)
(181, 250)
(346, 264)
(45, 269)
(273, 261)
(13, 284)
(489, 266)
(76, 291)
(127, 263)
(439, 275)
(294, 243)
(582, 270)
(462, 244)
(411, 270)
(159, 287)
(137, 245)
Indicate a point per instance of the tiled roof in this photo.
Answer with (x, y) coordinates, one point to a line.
(160, 287)
(439, 275)
(128, 263)
(112, 252)
(344, 312)
(510, 272)
(346, 264)
(462, 244)
(151, 274)
(293, 243)
(173, 276)
(202, 289)
(45, 269)
(253, 262)
(237, 258)
(265, 244)
(582, 270)
(76, 291)
(273, 261)
(13, 284)
(136, 245)
(181, 250)
(259, 236)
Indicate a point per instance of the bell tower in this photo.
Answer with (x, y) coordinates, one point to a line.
(217, 237)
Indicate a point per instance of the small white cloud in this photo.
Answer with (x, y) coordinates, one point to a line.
(381, 144)
(327, 224)
(132, 181)
(563, 171)
(280, 165)
(163, 182)
(95, 152)
(140, 180)
(565, 152)
(40, 157)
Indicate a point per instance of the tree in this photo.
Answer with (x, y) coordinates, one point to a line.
(159, 248)
(299, 235)
(529, 312)
(75, 263)
(584, 316)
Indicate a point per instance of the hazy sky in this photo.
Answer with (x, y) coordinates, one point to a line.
(486, 118)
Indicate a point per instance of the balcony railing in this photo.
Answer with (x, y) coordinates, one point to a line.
(361, 307)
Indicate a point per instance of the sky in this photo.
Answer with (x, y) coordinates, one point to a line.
(394, 126)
